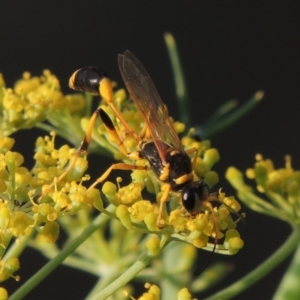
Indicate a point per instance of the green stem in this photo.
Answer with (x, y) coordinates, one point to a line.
(55, 262)
(223, 110)
(124, 278)
(45, 127)
(6, 238)
(180, 84)
(18, 247)
(132, 272)
(289, 289)
(11, 166)
(229, 118)
(277, 257)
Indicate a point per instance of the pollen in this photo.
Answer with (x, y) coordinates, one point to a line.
(129, 194)
(141, 209)
(20, 224)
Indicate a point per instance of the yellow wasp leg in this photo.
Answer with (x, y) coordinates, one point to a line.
(118, 166)
(111, 130)
(184, 178)
(166, 189)
(193, 150)
(106, 91)
(58, 179)
(82, 150)
(145, 133)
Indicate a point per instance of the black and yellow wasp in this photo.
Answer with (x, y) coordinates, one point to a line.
(158, 143)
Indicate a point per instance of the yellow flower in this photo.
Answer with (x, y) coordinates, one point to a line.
(3, 294)
(140, 209)
(50, 231)
(280, 187)
(184, 294)
(8, 268)
(153, 293)
(129, 194)
(20, 224)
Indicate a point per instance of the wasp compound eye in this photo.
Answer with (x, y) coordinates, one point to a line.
(87, 79)
(194, 194)
(189, 198)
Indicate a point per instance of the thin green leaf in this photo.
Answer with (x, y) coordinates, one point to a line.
(180, 83)
(222, 121)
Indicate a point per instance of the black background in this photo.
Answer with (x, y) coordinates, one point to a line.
(229, 49)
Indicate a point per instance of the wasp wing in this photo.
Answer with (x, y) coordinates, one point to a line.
(143, 92)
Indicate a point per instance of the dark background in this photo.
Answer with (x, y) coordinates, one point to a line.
(229, 49)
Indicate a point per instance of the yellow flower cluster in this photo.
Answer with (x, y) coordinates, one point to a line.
(30, 197)
(281, 186)
(31, 100)
(27, 203)
(32, 201)
(137, 213)
(212, 222)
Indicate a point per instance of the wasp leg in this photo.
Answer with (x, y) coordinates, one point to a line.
(82, 150)
(111, 130)
(118, 166)
(214, 197)
(85, 144)
(193, 150)
(145, 133)
(58, 179)
(106, 92)
(166, 189)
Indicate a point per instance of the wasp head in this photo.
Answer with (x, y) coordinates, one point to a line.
(193, 196)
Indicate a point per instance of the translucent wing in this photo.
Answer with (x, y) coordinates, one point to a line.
(148, 101)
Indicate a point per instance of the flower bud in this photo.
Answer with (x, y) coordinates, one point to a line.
(184, 294)
(150, 221)
(211, 156)
(211, 178)
(153, 245)
(6, 143)
(124, 216)
(3, 294)
(50, 232)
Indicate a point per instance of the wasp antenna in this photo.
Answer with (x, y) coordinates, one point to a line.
(214, 197)
(199, 271)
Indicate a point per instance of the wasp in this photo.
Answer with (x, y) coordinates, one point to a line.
(159, 144)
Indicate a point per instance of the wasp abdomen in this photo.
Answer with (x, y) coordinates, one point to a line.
(87, 79)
